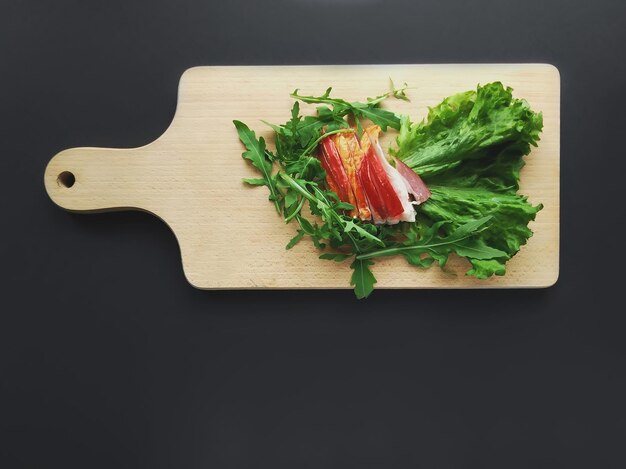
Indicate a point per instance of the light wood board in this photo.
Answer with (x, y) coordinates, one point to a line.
(230, 235)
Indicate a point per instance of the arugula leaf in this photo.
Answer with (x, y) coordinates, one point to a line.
(378, 116)
(255, 181)
(428, 246)
(399, 93)
(257, 155)
(290, 199)
(477, 249)
(300, 179)
(295, 239)
(340, 227)
(362, 278)
(341, 108)
(335, 256)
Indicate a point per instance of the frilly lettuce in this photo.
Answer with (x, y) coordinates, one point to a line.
(470, 151)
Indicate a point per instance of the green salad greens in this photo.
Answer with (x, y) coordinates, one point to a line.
(469, 152)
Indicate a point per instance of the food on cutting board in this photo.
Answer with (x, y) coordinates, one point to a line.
(449, 185)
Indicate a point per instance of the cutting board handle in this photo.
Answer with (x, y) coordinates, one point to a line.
(98, 179)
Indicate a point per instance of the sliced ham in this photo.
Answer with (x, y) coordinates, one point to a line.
(359, 173)
(405, 211)
(336, 175)
(379, 188)
(370, 187)
(352, 157)
(414, 183)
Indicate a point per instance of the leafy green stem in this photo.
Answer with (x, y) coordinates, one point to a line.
(312, 146)
(296, 211)
(297, 187)
(400, 249)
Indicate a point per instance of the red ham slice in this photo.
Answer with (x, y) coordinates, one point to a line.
(414, 183)
(360, 174)
(336, 176)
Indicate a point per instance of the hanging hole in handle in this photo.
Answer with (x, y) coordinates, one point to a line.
(66, 179)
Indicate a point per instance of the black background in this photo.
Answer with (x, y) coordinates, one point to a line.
(108, 358)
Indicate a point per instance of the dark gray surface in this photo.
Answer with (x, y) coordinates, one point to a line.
(109, 359)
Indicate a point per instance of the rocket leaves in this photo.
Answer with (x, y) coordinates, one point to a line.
(258, 156)
(340, 108)
(362, 278)
(423, 245)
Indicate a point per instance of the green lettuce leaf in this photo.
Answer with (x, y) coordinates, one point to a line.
(425, 245)
(467, 126)
(469, 152)
(507, 231)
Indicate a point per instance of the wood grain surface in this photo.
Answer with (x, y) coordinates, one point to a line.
(230, 236)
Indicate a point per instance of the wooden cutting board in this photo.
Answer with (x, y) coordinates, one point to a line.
(230, 235)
